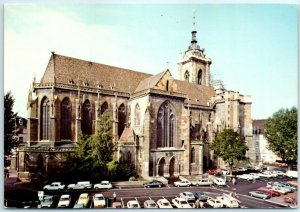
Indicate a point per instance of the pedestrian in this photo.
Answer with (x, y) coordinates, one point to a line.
(254, 180)
(233, 181)
(201, 204)
(197, 203)
(115, 196)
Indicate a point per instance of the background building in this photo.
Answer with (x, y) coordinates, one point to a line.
(162, 125)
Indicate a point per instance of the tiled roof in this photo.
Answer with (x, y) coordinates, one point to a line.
(149, 82)
(126, 136)
(197, 94)
(66, 69)
(70, 69)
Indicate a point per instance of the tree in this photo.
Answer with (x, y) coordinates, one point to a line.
(10, 141)
(230, 147)
(281, 134)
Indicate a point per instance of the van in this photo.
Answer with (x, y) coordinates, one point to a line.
(292, 174)
(219, 181)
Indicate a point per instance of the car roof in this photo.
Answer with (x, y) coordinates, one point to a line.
(98, 195)
(180, 198)
(163, 200)
(65, 195)
(104, 181)
(133, 201)
(84, 194)
(150, 201)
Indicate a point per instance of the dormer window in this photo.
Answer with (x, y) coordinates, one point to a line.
(71, 81)
(100, 86)
(85, 83)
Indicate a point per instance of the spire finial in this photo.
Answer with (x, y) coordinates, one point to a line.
(194, 20)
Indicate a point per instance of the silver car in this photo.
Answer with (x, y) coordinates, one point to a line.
(259, 194)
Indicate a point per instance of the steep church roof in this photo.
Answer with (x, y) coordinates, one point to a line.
(67, 69)
(149, 82)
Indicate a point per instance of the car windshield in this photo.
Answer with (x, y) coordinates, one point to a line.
(183, 202)
(166, 204)
(99, 198)
(135, 205)
(83, 197)
(152, 205)
(64, 199)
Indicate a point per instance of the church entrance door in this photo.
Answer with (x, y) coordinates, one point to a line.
(172, 167)
(161, 167)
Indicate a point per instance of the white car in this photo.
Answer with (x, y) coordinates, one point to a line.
(273, 174)
(292, 174)
(164, 203)
(202, 182)
(54, 186)
(80, 185)
(219, 181)
(280, 173)
(188, 196)
(181, 203)
(64, 201)
(255, 176)
(83, 199)
(245, 177)
(98, 201)
(265, 174)
(215, 203)
(103, 185)
(182, 183)
(133, 204)
(228, 201)
(150, 204)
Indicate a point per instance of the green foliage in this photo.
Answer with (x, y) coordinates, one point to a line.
(229, 146)
(281, 134)
(9, 124)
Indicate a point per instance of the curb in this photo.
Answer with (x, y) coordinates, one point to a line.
(277, 203)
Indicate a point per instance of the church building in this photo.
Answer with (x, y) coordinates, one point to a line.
(162, 125)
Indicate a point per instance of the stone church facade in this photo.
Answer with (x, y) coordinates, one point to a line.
(160, 124)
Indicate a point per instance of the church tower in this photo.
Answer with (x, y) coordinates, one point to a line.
(193, 66)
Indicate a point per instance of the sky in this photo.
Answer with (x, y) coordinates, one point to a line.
(253, 47)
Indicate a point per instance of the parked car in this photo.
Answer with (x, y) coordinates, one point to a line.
(83, 199)
(188, 196)
(219, 181)
(265, 174)
(202, 182)
(201, 196)
(64, 201)
(116, 205)
(259, 194)
(78, 205)
(213, 172)
(241, 169)
(181, 203)
(98, 201)
(255, 175)
(80, 185)
(228, 201)
(269, 191)
(281, 189)
(215, 203)
(48, 201)
(54, 186)
(164, 203)
(272, 173)
(292, 174)
(133, 204)
(288, 186)
(279, 173)
(245, 177)
(225, 171)
(150, 204)
(293, 183)
(182, 183)
(103, 185)
(154, 183)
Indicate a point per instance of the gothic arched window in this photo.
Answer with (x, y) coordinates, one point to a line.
(65, 121)
(121, 119)
(166, 126)
(193, 155)
(200, 77)
(45, 119)
(104, 107)
(137, 115)
(86, 122)
(186, 76)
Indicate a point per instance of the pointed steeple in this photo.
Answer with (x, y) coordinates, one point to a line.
(194, 38)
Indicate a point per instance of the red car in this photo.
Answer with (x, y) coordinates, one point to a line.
(269, 191)
(213, 172)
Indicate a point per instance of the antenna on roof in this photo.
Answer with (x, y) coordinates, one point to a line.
(167, 64)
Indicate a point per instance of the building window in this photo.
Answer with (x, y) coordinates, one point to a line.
(121, 119)
(200, 77)
(45, 119)
(137, 115)
(167, 85)
(86, 123)
(65, 123)
(193, 155)
(104, 107)
(27, 163)
(166, 126)
(128, 157)
(187, 76)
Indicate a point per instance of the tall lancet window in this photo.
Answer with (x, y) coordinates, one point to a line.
(86, 122)
(104, 107)
(166, 126)
(137, 116)
(45, 119)
(186, 76)
(200, 77)
(193, 155)
(65, 121)
(121, 119)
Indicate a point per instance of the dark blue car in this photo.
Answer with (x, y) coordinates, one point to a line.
(154, 183)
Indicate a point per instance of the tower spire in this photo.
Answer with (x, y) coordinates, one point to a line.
(194, 32)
